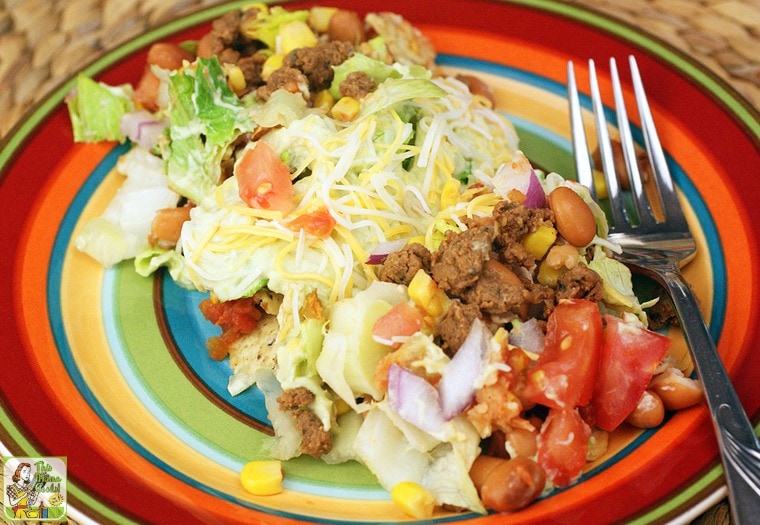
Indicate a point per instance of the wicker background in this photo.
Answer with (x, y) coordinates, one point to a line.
(724, 35)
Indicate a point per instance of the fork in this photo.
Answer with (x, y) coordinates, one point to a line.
(658, 249)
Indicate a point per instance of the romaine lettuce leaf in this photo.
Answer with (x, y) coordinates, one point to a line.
(96, 110)
(205, 117)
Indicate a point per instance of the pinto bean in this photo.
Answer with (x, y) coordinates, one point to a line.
(482, 467)
(346, 26)
(164, 55)
(513, 484)
(676, 390)
(167, 226)
(168, 56)
(208, 46)
(522, 442)
(572, 216)
(146, 91)
(478, 87)
(649, 411)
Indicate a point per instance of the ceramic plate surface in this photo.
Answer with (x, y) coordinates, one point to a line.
(110, 370)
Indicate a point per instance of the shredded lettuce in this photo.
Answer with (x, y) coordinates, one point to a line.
(439, 465)
(618, 292)
(151, 259)
(96, 110)
(205, 117)
(393, 91)
(266, 26)
(349, 354)
(297, 366)
(121, 232)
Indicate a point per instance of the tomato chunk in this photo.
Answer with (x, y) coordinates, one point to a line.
(318, 223)
(264, 179)
(236, 318)
(630, 355)
(401, 321)
(562, 445)
(565, 373)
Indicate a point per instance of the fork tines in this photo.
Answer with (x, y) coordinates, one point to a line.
(663, 181)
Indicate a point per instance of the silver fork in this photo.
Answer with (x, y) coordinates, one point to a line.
(659, 249)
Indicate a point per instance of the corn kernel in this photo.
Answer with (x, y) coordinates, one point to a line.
(235, 78)
(600, 184)
(539, 241)
(324, 99)
(294, 35)
(341, 407)
(414, 499)
(450, 193)
(424, 292)
(262, 478)
(319, 18)
(547, 275)
(346, 109)
(271, 65)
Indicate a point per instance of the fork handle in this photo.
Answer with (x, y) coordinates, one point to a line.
(738, 444)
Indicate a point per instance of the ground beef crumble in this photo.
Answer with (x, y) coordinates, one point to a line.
(455, 325)
(580, 282)
(489, 274)
(315, 440)
(357, 85)
(316, 63)
(459, 260)
(401, 266)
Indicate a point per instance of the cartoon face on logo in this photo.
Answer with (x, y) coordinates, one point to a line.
(35, 489)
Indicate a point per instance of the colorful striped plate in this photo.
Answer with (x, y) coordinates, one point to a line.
(110, 370)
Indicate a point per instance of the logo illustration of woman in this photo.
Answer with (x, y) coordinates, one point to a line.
(22, 493)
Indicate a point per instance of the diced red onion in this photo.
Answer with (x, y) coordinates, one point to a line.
(142, 128)
(534, 196)
(414, 399)
(519, 175)
(528, 336)
(382, 250)
(459, 377)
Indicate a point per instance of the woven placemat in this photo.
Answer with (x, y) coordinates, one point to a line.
(723, 35)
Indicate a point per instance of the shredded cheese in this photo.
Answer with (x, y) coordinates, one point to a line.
(381, 178)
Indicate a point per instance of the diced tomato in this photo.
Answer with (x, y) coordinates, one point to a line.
(630, 355)
(566, 370)
(562, 445)
(264, 179)
(241, 315)
(318, 223)
(402, 320)
(219, 345)
(236, 318)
